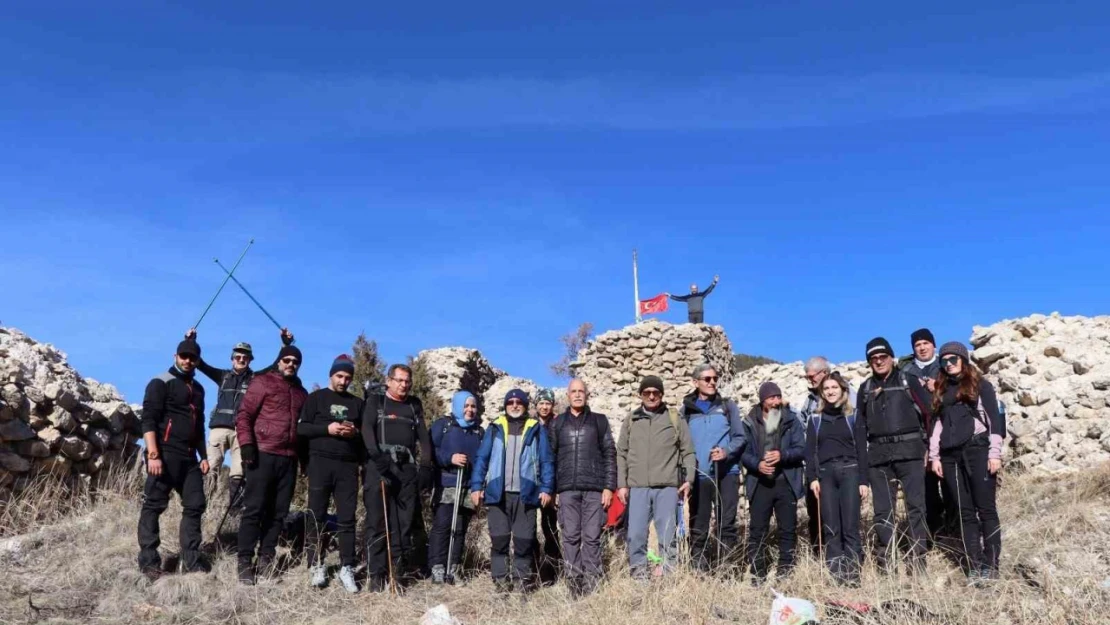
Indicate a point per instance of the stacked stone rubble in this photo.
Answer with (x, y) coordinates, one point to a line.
(53, 421)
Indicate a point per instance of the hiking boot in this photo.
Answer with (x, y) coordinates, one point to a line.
(246, 573)
(195, 563)
(377, 583)
(347, 578)
(452, 574)
(266, 567)
(439, 574)
(503, 586)
(153, 573)
(318, 575)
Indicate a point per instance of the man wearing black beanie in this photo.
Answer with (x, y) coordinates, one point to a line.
(329, 421)
(895, 409)
(266, 425)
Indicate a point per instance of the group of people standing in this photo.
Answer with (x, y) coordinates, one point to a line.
(930, 426)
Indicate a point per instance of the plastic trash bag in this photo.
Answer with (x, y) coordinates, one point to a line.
(791, 611)
(439, 615)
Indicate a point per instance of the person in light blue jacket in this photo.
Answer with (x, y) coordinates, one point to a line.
(717, 432)
(514, 474)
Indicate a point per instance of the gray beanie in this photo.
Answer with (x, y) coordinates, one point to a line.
(955, 348)
(768, 389)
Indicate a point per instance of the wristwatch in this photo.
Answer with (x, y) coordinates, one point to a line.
(152, 454)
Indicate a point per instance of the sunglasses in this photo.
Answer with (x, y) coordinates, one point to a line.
(514, 402)
(651, 393)
(242, 357)
(189, 357)
(879, 358)
(950, 361)
(289, 360)
(709, 378)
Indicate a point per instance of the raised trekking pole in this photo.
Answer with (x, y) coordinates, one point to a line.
(248, 293)
(224, 283)
(388, 541)
(450, 576)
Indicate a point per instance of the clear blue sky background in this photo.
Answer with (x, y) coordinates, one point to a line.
(461, 174)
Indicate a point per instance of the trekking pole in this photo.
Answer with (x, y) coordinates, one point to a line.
(388, 541)
(717, 487)
(450, 577)
(224, 283)
(231, 501)
(820, 529)
(248, 293)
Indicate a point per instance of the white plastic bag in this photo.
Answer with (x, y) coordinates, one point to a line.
(439, 615)
(791, 611)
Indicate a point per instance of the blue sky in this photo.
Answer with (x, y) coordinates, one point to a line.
(446, 174)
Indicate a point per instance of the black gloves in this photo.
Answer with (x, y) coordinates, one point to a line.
(426, 478)
(250, 455)
(383, 464)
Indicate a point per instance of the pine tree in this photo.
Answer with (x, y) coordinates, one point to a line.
(369, 366)
(422, 390)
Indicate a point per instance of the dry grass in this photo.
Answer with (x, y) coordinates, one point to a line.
(77, 565)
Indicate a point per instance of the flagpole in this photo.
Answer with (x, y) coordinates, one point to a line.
(636, 285)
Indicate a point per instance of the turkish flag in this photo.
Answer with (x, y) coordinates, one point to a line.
(657, 304)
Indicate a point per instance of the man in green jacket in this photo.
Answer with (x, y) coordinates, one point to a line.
(655, 466)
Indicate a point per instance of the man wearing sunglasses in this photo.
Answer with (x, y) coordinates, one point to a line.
(232, 385)
(399, 455)
(718, 437)
(173, 433)
(266, 426)
(896, 409)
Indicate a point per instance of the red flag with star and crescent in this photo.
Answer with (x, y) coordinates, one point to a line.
(657, 304)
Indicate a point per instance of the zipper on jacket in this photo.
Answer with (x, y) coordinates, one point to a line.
(192, 412)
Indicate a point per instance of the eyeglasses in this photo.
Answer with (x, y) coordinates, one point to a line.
(241, 357)
(709, 379)
(514, 402)
(402, 380)
(651, 393)
(189, 357)
(879, 358)
(289, 360)
(814, 376)
(950, 361)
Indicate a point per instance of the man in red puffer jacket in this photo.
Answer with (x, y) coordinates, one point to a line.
(266, 425)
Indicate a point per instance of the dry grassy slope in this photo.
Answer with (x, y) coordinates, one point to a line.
(81, 569)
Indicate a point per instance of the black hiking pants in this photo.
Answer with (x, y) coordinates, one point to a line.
(772, 497)
(327, 478)
(704, 499)
(400, 509)
(180, 474)
(269, 492)
(885, 481)
(965, 472)
(840, 518)
(439, 539)
(551, 558)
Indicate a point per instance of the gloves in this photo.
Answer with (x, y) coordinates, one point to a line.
(426, 478)
(250, 455)
(383, 464)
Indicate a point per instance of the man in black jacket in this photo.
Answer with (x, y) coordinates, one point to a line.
(232, 385)
(695, 301)
(585, 477)
(399, 456)
(329, 421)
(173, 432)
(895, 410)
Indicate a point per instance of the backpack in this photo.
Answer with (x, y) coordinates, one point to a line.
(865, 391)
(817, 423)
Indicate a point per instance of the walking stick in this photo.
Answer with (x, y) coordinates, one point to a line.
(248, 293)
(224, 283)
(717, 487)
(450, 577)
(820, 529)
(388, 541)
(231, 501)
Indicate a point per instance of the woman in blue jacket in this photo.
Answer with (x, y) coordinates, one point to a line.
(455, 440)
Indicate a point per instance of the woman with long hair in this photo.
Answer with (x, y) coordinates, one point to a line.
(965, 449)
(837, 473)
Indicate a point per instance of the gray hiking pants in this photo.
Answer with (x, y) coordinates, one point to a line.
(644, 506)
(581, 519)
(511, 522)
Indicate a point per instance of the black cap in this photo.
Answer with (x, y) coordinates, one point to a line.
(651, 381)
(879, 345)
(922, 335)
(189, 347)
(290, 350)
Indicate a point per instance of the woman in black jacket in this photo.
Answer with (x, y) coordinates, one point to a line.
(965, 449)
(837, 473)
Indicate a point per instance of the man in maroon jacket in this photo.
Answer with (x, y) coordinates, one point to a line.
(266, 425)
